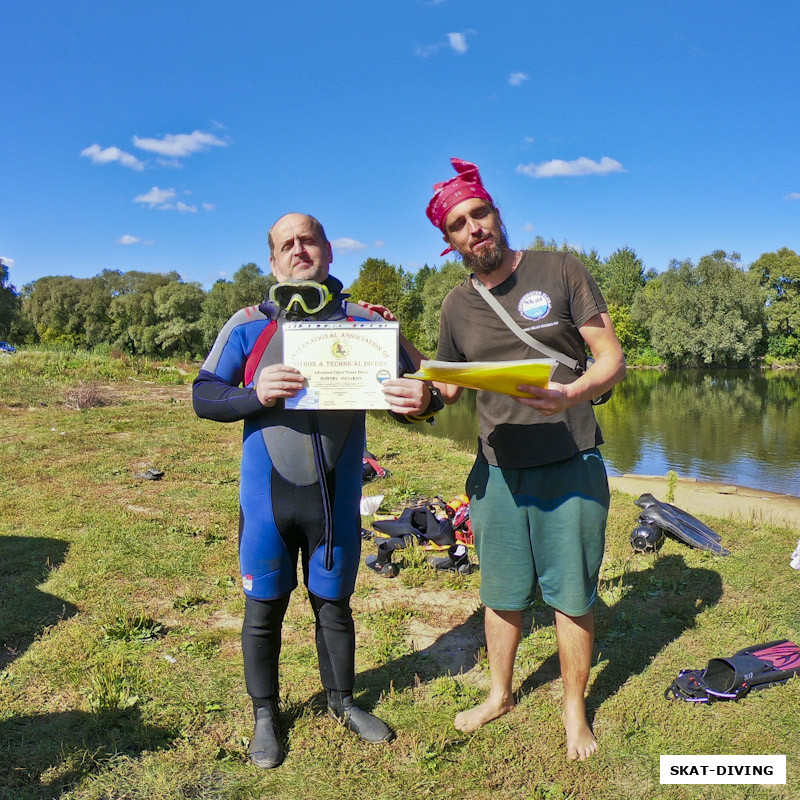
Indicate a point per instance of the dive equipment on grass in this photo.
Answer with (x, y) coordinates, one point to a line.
(646, 538)
(419, 523)
(432, 525)
(456, 560)
(756, 667)
(678, 524)
(371, 469)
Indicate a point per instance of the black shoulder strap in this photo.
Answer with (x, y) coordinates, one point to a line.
(494, 303)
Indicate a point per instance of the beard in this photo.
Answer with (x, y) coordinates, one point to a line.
(489, 258)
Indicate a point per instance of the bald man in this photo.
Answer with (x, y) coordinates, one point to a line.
(300, 479)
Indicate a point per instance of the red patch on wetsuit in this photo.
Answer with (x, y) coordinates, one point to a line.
(260, 346)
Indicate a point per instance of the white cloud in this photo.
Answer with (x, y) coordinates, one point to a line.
(347, 245)
(183, 207)
(179, 145)
(528, 226)
(9, 262)
(580, 166)
(208, 206)
(428, 49)
(156, 197)
(458, 41)
(792, 196)
(518, 78)
(108, 155)
(379, 243)
(128, 239)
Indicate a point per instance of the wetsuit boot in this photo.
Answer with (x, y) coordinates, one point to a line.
(456, 560)
(266, 750)
(343, 709)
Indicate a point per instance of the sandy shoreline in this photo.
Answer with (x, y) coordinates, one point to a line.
(716, 499)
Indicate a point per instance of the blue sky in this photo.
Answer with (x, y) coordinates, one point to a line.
(170, 135)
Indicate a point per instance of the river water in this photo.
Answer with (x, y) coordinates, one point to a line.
(730, 426)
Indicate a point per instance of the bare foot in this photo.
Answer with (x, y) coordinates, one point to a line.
(581, 743)
(473, 718)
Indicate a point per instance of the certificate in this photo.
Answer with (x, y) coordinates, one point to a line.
(343, 363)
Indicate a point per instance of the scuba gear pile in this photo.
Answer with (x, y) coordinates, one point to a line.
(308, 297)
(756, 667)
(657, 517)
(433, 526)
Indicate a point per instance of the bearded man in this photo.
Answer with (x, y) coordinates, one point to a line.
(538, 489)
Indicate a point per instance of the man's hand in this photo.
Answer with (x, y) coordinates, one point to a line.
(382, 310)
(407, 396)
(277, 381)
(556, 397)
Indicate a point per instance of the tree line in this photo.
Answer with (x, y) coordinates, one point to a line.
(712, 313)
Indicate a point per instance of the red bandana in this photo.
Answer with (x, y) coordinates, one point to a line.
(450, 193)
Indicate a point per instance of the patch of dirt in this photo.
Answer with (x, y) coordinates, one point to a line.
(716, 499)
(453, 651)
(147, 391)
(151, 512)
(222, 619)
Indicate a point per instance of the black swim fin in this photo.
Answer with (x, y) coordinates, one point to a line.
(680, 525)
(647, 500)
(752, 668)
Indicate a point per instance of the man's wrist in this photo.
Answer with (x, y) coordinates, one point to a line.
(435, 405)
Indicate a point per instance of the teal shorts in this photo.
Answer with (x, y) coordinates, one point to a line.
(540, 525)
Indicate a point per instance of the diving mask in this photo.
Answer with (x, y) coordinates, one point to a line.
(309, 296)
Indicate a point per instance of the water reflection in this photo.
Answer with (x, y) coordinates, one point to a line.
(732, 426)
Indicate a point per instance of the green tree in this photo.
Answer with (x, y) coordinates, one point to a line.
(178, 307)
(135, 323)
(52, 305)
(381, 283)
(778, 274)
(707, 314)
(437, 285)
(623, 276)
(633, 337)
(591, 260)
(248, 287)
(9, 302)
(413, 305)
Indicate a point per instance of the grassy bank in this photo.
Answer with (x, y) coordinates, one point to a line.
(120, 610)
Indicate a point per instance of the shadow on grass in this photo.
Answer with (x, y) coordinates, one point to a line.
(658, 604)
(42, 755)
(454, 651)
(25, 611)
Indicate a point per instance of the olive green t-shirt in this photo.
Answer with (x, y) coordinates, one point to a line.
(550, 295)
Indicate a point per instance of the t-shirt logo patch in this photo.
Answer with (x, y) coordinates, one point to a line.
(534, 305)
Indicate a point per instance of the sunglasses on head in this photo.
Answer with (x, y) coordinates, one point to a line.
(310, 296)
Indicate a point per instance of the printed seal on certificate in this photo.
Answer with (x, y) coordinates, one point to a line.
(343, 363)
